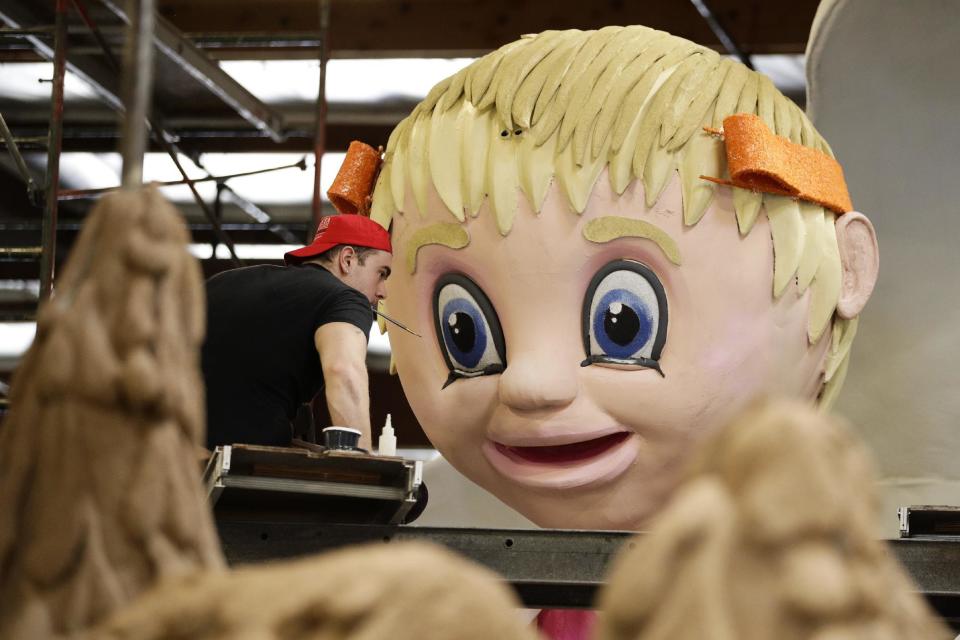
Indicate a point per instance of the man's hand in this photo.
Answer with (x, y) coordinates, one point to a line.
(343, 351)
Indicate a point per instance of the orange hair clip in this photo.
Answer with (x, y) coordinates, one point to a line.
(351, 190)
(761, 161)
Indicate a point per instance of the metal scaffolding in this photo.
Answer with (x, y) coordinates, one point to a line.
(320, 135)
(144, 33)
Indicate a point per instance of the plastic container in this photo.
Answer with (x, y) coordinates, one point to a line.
(343, 438)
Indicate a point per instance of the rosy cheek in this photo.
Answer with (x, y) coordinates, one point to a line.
(731, 356)
(456, 417)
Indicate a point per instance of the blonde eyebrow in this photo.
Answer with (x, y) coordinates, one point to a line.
(610, 228)
(448, 234)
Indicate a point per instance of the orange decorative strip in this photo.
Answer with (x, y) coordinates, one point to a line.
(761, 161)
(351, 190)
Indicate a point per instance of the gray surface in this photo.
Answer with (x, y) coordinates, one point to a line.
(456, 501)
(884, 89)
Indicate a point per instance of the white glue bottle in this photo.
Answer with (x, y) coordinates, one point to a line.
(387, 445)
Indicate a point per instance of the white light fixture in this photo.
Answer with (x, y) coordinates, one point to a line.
(15, 339)
(354, 80)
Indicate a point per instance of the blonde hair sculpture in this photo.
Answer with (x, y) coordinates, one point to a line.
(566, 104)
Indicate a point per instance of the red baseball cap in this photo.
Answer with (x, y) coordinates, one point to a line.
(352, 229)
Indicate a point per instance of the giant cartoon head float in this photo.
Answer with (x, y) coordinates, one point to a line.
(591, 303)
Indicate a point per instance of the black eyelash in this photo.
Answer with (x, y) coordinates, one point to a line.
(646, 363)
(456, 374)
(651, 277)
(488, 312)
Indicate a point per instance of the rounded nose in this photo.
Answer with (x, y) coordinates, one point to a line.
(531, 383)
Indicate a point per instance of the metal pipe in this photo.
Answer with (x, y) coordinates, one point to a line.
(15, 32)
(49, 232)
(30, 141)
(722, 34)
(136, 89)
(320, 136)
(217, 218)
(21, 251)
(18, 159)
(227, 194)
(171, 150)
(81, 194)
(75, 226)
(260, 215)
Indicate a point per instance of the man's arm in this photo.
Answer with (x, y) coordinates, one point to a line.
(343, 351)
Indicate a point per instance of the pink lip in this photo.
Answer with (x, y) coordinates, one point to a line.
(566, 461)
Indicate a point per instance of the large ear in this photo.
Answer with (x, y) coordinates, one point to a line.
(859, 260)
(346, 259)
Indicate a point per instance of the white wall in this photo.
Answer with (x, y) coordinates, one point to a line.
(884, 89)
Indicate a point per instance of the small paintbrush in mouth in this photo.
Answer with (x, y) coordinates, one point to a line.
(394, 322)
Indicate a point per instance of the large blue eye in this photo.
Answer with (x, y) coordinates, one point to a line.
(467, 327)
(624, 316)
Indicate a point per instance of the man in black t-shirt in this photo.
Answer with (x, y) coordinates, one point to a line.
(276, 335)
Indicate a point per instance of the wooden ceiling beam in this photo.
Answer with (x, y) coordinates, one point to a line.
(430, 27)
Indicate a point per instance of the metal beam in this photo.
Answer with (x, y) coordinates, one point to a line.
(182, 52)
(722, 34)
(548, 568)
(18, 159)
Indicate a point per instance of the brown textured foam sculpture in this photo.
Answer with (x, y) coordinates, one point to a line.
(407, 591)
(771, 536)
(99, 486)
(104, 531)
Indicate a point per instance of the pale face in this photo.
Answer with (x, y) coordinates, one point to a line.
(596, 446)
(370, 277)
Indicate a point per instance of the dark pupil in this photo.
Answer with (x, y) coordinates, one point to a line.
(463, 331)
(622, 326)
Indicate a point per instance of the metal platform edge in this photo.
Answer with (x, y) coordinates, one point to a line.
(548, 568)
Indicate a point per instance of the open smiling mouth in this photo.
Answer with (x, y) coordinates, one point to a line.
(564, 453)
(565, 466)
